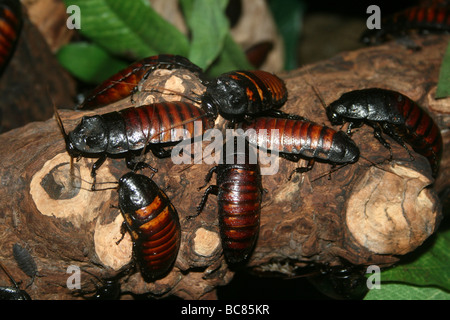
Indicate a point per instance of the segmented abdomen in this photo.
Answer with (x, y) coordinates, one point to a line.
(302, 137)
(123, 83)
(420, 131)
(153, 224)
(239, 201)
(263, 88)
(163, 122)
(10, 26)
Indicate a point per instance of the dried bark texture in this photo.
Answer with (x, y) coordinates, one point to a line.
(364, 214)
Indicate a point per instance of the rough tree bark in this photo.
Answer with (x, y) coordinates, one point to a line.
(364, 214)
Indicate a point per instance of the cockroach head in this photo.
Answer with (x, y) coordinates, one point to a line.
(90, 136)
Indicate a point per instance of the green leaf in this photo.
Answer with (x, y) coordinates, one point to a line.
(231, 58)
(424, 274)
(432, 268)
(89, 62)
(209, 27)
(288, 15)
(129, 28)
(395, 291)
(443, 87)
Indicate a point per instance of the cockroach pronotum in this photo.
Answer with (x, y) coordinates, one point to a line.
(25, 261)
(125, 82)
(434, 18)
(10, 27)
(393, 113)
(237, 94)
(239, 195)
(123, 132)
(295, 138)
(12, 293)
(152, 222)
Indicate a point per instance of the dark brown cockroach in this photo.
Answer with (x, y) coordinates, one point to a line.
(239, 195)
(295, 138)
(10, 27)
(125, 82)
(152, 222)
(25, 261)
(122, 133)
(394, 114)
(12, 293)
(433, 18)
(239, 94)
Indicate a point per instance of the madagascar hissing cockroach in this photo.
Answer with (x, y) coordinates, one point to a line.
(433, 18)
(345, 282)
(393, 113)
(10, 27)
(125, 82)
(12, 293)
(154, 126)
(237, 94)
(239, 195)
(295, 138)
(25, 261)
(152, 222)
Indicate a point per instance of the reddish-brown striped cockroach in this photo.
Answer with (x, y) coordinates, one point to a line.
(125, 82)
(434, 18)
(239, 195)
(10, 26)
(12, 293)
(394, 114)
(122, 133)
(295, 138)
(237, 94)
(152, 222)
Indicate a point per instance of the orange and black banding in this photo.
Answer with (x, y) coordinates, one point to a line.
(239, 195)
(434, 18)
(124, 83)
(301, 137)
(262, 87)
(237, 94)
(163, 122)
(153, 224)
(419, 130)
(10, 26)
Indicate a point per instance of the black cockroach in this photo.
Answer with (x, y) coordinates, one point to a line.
(10, 27)
(125, 82)
(12, 293)
(239, 94)
(433, 18)
(295, 137)
(122, 133)
(346, 282)
(25, 261)
(239, 195)
(152, 222)
(394, 114)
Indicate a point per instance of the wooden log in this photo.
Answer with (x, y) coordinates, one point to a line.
(362, 213)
